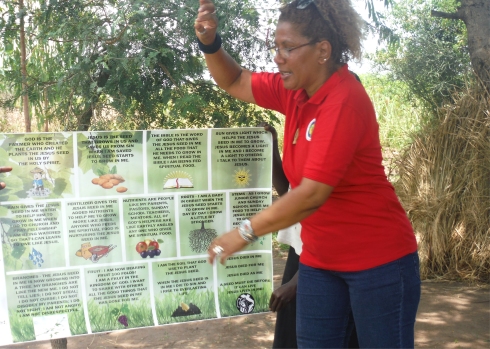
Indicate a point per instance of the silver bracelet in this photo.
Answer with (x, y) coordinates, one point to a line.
(246, 232)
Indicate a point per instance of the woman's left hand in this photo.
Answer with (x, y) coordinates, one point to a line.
(225, 245)
(206, 22)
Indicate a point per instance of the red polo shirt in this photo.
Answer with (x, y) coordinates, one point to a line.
(333, 138)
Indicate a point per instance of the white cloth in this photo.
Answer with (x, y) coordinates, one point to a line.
(291, 236)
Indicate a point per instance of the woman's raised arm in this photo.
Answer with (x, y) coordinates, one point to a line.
(227, 73)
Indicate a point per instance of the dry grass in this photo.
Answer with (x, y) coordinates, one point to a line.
(444, 184)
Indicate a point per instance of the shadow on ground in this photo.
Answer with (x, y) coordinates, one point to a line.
(451, 315)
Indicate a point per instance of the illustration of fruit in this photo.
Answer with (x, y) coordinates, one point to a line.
(149, 248)
(119, 313)
(123, 320)
(200, 239)
(154, 244)
(141, 246)
(109, 181)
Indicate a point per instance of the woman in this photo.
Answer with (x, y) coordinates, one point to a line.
(283, 299)
(359, 251)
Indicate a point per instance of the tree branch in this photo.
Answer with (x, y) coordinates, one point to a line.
(446, 15)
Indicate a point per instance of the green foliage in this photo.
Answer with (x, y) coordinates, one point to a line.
(136, 60)
(431, 56)
(400, 113)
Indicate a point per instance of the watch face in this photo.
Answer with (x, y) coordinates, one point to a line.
(245, 303)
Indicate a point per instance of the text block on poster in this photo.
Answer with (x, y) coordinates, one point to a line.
(104, 231)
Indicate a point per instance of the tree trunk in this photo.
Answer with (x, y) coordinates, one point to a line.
(86, 118)
(23, 68)
(46, 105)
(59, 343)
(476, 16)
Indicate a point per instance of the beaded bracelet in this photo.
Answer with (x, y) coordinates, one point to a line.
(210, 49)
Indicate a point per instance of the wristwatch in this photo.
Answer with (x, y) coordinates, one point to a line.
(246, 232)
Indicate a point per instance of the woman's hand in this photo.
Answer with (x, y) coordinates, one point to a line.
(206, 22)
(225, 245)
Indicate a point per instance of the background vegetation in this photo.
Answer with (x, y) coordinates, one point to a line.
(134, 64)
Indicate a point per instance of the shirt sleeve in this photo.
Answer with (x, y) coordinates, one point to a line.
(338, 132)
(269, 92)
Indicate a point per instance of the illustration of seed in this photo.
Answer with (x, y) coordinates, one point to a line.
(107, 185)
(184, 306)
(95, 180)
(102, 181)
(114, 181)
(200, 239)
(118, 177)
(121, 189)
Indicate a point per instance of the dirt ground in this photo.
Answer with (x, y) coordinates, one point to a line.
(450, 315)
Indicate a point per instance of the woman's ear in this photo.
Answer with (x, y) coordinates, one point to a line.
(325, 51)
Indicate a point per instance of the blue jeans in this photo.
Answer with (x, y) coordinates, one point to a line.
(383, 301)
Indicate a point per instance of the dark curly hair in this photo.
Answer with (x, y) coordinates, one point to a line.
(332, 20)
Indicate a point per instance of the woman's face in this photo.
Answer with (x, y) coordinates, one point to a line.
(301, 70)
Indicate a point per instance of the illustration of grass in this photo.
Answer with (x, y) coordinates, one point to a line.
(166, 305)
(22, 327)
(76, 319)
(102, 317)
(227, 300)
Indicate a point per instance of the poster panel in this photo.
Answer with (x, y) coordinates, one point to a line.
(104, 231)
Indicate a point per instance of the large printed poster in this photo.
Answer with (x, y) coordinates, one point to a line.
(103, 231)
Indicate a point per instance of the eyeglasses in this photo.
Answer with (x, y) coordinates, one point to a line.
(286, 52)
(302, 4)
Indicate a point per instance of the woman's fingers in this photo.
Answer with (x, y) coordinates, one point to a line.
(5, 169)
(206, 22)
(224, 246)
